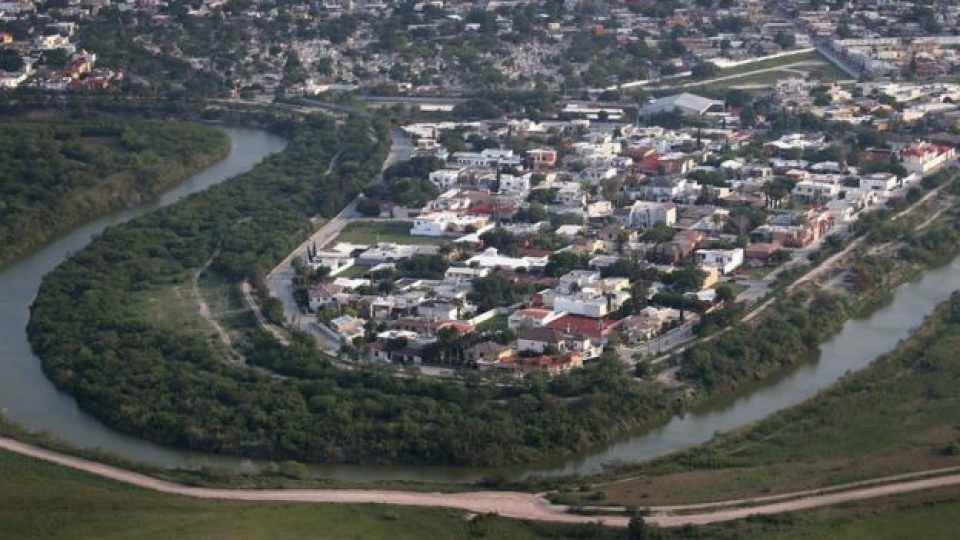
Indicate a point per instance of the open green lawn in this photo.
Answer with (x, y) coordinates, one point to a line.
(40, 501)
(173, 307)
(354, 271)
(824, 70)
(933, 514)
(178, 308)
(899, 415)
(398, 232)
(811, 56)
(941, 520)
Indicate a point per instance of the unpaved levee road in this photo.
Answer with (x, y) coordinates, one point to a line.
(505, 503)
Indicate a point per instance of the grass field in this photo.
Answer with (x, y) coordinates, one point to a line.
(172, 307)
(178, 308)
(744, 75)
(40, 501)
(901, 414)
(933, 514)
(398, 232)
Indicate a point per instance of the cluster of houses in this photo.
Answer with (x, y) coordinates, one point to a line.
(873, 103)
(73, 68)
(567, 321)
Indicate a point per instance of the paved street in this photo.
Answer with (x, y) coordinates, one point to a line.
(279, 280)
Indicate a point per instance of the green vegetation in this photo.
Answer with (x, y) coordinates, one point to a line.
(406, 183)
(896, 416)
(56, 175)
(371, 232)
(40, 500)
(163, 382)
(818, 67)
(794, 328)
(922, 514)
(790, 334)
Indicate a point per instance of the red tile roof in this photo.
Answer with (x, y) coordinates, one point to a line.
(594, 328)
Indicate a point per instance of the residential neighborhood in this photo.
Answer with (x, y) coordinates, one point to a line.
(540, 244)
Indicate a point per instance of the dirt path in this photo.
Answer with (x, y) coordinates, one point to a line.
(505, 503)
(202, 303)
(261, 320)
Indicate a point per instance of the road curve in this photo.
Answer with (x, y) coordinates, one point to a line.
(510, 504)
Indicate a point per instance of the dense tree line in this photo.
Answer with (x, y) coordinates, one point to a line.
(56, 175)
(407, 182)
(173, 388)
(794, 331)
(790, 334)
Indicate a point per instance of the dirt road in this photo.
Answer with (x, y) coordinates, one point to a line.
(517, 505)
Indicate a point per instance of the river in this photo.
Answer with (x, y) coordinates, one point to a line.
(27, 397)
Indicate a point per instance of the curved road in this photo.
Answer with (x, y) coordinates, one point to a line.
(510, 504)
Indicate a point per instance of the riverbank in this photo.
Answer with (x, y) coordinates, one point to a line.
(41, 501)
(522, 506)
(311, 400)
(897, 415)
(90, 169)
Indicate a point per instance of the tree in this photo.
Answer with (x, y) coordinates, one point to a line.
(638, 529)
(476, 109)
(395, 344)
(641, 369)
(293, 70)
(844, 31)
(737, 98)
(502, 239)
(704, 70)
(786, 40)
(10, 60)
(686, 279)
(748, 117)
(56, 58)
(725, 293)
(368, 207)
(820, 97)
(563, 262)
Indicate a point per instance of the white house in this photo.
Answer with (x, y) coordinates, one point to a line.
(590, 303)
(924, 158)
(515, 184)
(486, 158)
(815, 190)
(463, 273)
(569, 231)
(599, 209)
(882, 183)
(538, 339)
(596, 175)
(470, 159)
(445, 179)
(532, 318)
(570, 194)
(647, 215)
(386, 252)
(726, 260)
(442, 311)
(336, 261)
(441, 223)
(490, 258)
